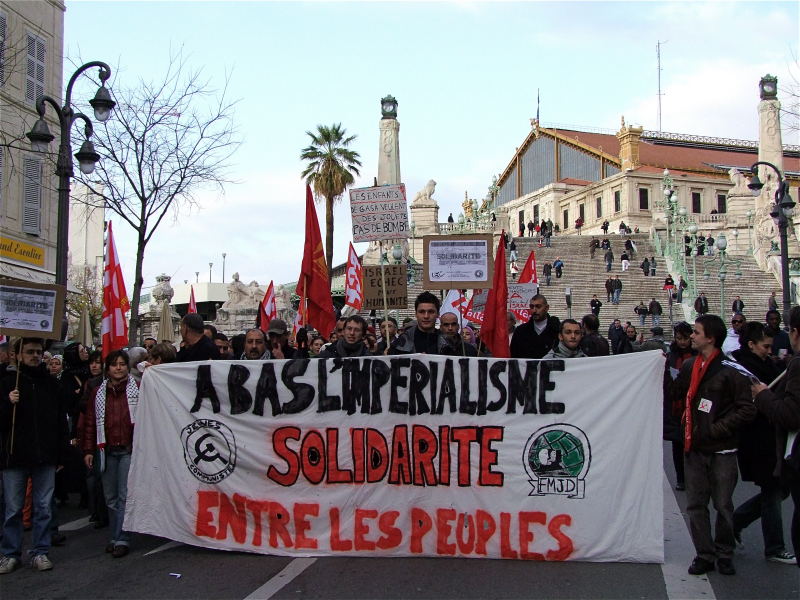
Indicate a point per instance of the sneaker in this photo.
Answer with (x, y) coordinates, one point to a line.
(41, 562)
(700, 566)
(784, 557)
(737, 535)
(725, 566)
(8, 564)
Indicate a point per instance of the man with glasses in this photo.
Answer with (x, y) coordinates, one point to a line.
(149, 344)
(732, 339)
(33, 407)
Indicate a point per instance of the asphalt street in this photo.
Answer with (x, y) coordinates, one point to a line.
(157, 568)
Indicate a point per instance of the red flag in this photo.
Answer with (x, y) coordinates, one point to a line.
(270, 310)
(494, 332)
(314, 285)
(115, 300)
(471, 315)
(192, 303)
(298, 319)
(353, 291)
(528, 274)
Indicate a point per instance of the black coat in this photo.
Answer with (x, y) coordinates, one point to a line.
(204, 349)
(757, 458)
(41, 430)
(527, 343)
(594, 344)
(615, 336)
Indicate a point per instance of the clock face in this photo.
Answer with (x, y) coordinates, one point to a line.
(769, 87)
(388, 107)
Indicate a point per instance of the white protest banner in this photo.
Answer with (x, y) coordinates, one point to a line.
(519, 299)
(402, 456)
(379, 213)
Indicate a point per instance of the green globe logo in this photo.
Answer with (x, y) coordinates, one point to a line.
(558, 453)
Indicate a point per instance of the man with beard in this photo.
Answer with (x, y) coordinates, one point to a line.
(732, 339)
(255, 346)
(449, 328)
(539, 335)
(351, 344)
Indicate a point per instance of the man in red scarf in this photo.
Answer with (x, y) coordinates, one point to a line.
(717, 403)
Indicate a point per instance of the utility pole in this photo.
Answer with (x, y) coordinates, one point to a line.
(658, 59)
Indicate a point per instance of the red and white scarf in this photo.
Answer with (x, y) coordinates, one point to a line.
(132, 393)
(699, 369)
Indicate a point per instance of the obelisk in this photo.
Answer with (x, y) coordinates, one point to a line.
(770, 145)
(389, 150)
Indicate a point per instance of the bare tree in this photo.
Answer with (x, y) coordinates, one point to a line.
(790, 107)
(167, 140)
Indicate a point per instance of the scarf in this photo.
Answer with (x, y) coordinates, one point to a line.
(132, 393)
(346, 349)
(563, 352)
(699, 369)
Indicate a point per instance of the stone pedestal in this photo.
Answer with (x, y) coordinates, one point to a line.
(389, 152)
(425, 214)
(233, 321)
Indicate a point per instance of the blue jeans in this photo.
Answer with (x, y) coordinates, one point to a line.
(15, 482)
(547, 241)
(616, 296)
(115, 487)
(608, 266)
(765, 505)
(641, 319)
(656, 320)
(547, 279)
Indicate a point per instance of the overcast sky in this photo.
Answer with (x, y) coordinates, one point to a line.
(465, 75)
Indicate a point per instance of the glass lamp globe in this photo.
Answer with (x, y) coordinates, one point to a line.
(682, 211)
(692, 228)
(397, 252)
(722, 241)
(748, 214)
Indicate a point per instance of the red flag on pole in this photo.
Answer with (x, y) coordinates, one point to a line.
(528, 274)
(115, 300)
(270, 309)
(192, 303)
(494, 331)
(353, 292)
(314, 285)
(299, 317)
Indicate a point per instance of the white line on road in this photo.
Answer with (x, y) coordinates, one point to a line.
(273, 586)
(74, 525)
(678, 554)
(166, 546)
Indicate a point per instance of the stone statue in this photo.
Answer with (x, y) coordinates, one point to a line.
(243, 296)
(283, 298)
(425, 193)
(161, 292)
(739, 183)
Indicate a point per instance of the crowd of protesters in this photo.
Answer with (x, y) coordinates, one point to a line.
(71, 417)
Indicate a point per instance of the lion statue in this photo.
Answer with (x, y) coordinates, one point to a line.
(426, 192)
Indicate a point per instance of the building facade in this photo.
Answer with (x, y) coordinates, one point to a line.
(31, 56)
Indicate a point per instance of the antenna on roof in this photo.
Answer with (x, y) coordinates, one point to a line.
(658, 58)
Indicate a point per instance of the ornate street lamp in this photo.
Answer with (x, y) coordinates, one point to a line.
(223, 266)
(749, 215)
(413, 235)
(197, 276)
(209, 271)
(40, 138)
(781, 214)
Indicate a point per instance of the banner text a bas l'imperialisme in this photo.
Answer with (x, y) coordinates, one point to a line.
(404, 456)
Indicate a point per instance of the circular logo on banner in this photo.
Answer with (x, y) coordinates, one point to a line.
(209, 449)
(557, 459)
(479, 274)
(44, 324)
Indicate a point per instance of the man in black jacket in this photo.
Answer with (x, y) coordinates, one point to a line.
(655, 310)
(33, 408)
(422, 338)
(539, 335)
(595, 305)
(718, 404)
(198, 345)
(351, 344)
(448, 323)
(701, 304)
(737, 306)
(592, 343)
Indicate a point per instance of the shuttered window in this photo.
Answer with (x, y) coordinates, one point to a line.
(2, 49)
(34, 75)
(32, 195)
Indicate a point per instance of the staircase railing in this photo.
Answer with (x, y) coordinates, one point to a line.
(657, 244)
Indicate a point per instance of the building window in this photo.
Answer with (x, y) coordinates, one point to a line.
(2, 49)
(617, 201)
(599, 204)
(34, 75)
(32, 195)
(536, 214)
(722, 204)
(582, 212)
(697, 202)
(566, 220)
(644, 199)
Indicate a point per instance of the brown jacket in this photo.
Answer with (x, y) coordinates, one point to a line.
(731, 405)
(782, 407)
(119, 430)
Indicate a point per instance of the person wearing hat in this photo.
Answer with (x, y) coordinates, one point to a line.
(278, 339)
(656, 341)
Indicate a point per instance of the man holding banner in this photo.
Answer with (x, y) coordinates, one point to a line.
(423, 338)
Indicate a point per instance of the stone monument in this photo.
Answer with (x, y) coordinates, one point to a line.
(162, 292)
(238, 313)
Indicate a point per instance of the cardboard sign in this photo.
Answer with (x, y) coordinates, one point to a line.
(458, 261)
(402, 456)
(31, 309)
(379, 213)
(396, 287)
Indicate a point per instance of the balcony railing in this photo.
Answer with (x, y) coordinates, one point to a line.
(448, 228)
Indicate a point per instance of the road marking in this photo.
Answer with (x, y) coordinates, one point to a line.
(679, 553)
(274, 585)
(166, 546)
(74, 525)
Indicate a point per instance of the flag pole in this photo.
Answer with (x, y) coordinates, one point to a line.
(461, 320)
(303, 299)
(18, 353)
(383, 286)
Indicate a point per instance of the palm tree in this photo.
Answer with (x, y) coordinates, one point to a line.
(330, 171)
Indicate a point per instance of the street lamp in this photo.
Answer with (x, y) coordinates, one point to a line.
(197, 276)
(209, 271)
(693, 233)
(722, 244)
(223, 266)
(749, 215)
(40, 138)
(413, 235)
(782, 215)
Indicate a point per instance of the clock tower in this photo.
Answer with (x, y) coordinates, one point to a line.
(770, 145)
(389, 149)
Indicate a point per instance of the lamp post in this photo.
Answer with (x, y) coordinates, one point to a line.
(223, 266)
(209, 271)
(693, 233)
(461, 222)
(494, 190)
(781, 215)
(40, 138)
(749, 215)
(197, 276)
(722, 244)
(670, 206)
(413, 236)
